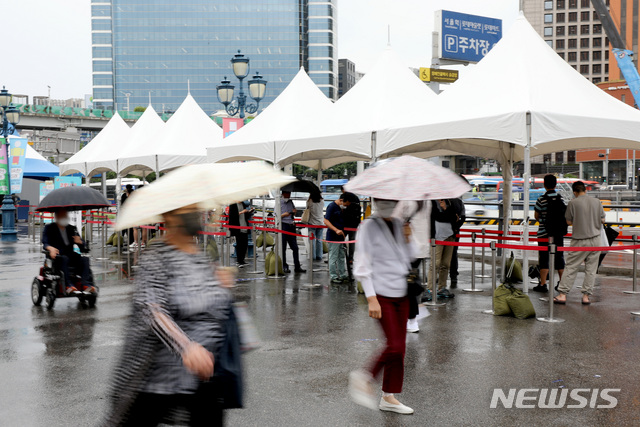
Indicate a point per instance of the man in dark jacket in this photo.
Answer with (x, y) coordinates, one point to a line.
(445, 220)
(58, 239)
(239, 215)
(352, 215)
(458, 205)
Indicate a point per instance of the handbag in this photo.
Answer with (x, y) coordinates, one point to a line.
(306, 216)
(414, 283)
(227, 370)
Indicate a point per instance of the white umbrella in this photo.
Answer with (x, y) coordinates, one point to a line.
(208, 185)
(408, 178)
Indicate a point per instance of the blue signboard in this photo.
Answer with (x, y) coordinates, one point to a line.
(466, 37)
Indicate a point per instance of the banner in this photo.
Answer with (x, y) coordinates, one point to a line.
(45, 188)
(4, 168)
(230, 125)
(17, 153)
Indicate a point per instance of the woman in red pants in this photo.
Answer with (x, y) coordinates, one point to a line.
(382, 261)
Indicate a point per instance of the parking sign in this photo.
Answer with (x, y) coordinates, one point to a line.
(464, 37)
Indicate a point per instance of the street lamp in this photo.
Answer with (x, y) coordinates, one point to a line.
(8, 115)
(257, 88)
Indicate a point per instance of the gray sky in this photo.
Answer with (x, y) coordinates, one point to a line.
(52, 38)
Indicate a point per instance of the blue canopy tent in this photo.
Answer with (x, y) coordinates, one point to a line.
(37, 167)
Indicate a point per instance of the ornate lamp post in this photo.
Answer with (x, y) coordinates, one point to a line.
(257, 88)
(8, 115)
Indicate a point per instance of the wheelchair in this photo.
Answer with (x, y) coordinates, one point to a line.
(50, 285)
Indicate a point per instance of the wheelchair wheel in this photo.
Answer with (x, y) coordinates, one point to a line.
(36, 292)
(51, 298)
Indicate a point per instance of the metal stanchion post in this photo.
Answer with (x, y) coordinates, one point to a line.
(223, 257)
(482, 275)
(552, 262)
(635, 268)
(434, 291)
(255, 251)
(494, 279)
(310, 257)
(473, 267)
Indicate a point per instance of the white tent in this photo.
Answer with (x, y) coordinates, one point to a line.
(182, 141)
(115, 130)
(298, 102)
(110, 155)
(522, 98)
(353, 127)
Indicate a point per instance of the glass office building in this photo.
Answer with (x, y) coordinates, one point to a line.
(154, 48)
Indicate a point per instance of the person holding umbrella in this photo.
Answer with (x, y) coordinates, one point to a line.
(287, 212)
(383, 257)
(182, 329)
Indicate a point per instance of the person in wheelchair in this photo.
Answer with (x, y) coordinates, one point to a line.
(58, 239)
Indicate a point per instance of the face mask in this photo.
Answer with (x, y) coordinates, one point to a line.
(286, 199)
(62, 222)
(191, 222)
(343, 207)
(385, 208)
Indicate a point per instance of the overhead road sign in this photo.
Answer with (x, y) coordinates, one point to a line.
(466, 38)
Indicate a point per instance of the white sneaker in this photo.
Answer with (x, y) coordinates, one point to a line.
(359, 386)
(134, 245)
(391, 407)
(412, 326)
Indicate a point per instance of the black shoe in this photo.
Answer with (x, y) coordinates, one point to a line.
(241, 264)
(454, 283)
(426, 297)
(556, 287)
(300, 270)
(286, 270)
(540, 288)
(444, 293)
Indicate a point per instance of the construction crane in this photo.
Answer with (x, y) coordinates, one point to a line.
(624, 56)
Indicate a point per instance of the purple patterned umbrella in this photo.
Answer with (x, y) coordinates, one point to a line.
(408, 178)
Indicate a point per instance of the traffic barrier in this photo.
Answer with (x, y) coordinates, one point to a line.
(635, 268)
(473, 266)
(552, 271)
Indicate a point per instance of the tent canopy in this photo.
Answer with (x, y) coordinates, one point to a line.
(111, 153)
(115, 130)
(298, 102)
(37, 167)
(182, 141)
(486, 111)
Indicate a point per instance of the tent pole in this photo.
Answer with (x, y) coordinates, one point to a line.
(319, 172)
(374, 147)
(525, 213)
(278, 224)
(507, 199)
(104, 184)
(157, 168)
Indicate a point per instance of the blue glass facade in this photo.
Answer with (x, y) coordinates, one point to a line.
(143, 47)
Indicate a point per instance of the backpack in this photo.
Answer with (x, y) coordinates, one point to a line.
(556, 210)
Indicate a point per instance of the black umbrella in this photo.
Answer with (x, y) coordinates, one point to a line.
(301, 186)
(73, 199)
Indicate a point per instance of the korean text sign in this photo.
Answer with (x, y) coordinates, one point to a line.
(17, 153)
(4, 167)
(466, 37)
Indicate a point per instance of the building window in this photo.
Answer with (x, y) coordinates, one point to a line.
(559, 31)
(560, 4)
(573, 30)
(560, 157)
(584, 42)
(606, 41)
(597, 28)
(623, 98)
(575, 67)
(561, 55)
(597, 69)
(573, 16)
(571, 156)
(550, 43)
(585, 3)
(573, 43)
(584, 29)
(596, 80)
(548, 5)
(597, 42)
(606, 55)
(573, 4)
(560, 44)
(584, 16)
(595, 16)
(584, 69)
(573, 56)
(597, 55)
(584, 56)
(606, 67)
(560, 17)
(548, 31)
(548, 18)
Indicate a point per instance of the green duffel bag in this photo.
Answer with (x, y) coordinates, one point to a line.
(500, 304)
(520, 305)
(359, 287)
(325, 248)
(270, 240)
(110, 239)
(212, 250)
(270, 264)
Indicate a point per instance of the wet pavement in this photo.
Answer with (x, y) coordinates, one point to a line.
(55, 365)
